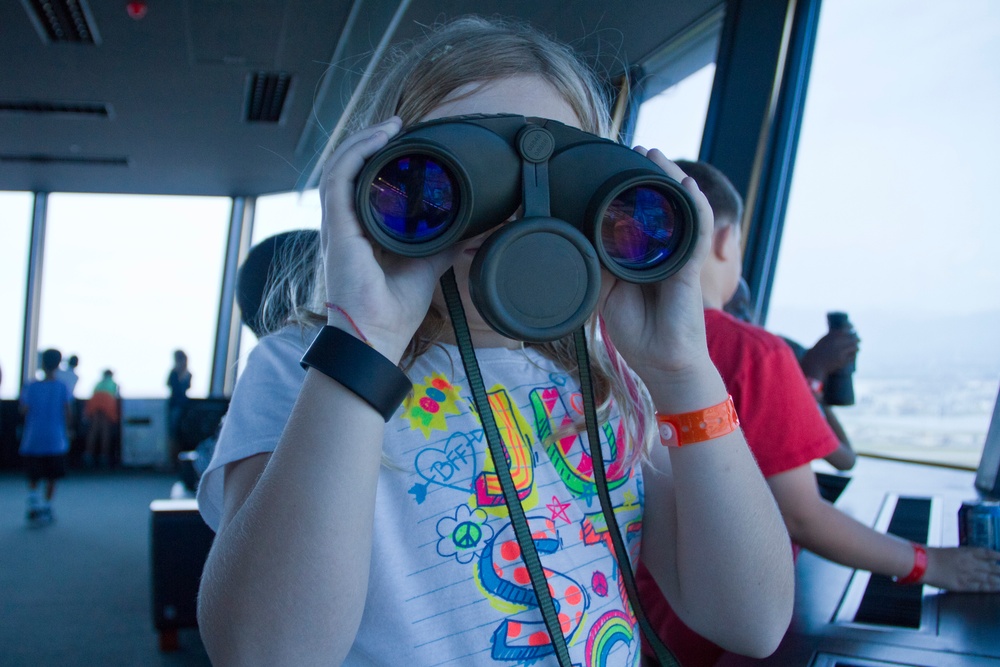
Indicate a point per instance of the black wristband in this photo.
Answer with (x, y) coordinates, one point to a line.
(359, 368)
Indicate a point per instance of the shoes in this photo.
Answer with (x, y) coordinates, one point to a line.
(39, 514)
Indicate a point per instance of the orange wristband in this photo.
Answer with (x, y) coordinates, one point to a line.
(700, 425)
(919, 567)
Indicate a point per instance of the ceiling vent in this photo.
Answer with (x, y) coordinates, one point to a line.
(82, 160)
(84, 109)
(266, 95)
(62, 21)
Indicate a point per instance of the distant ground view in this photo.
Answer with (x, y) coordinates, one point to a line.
(924, 389)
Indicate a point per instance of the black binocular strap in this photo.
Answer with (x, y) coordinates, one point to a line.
(517, 518)
(663, 654)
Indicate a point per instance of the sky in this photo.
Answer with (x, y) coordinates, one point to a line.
(890, 217)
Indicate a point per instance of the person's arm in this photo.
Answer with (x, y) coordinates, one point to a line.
(844, 457)
(826, 531)
(287, 576)
(831, 352)
(713, 539)
(286, 579)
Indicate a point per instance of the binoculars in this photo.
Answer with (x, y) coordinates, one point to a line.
(588, 202)
(839, 386)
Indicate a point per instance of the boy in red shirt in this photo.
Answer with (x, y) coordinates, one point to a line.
(785, 431)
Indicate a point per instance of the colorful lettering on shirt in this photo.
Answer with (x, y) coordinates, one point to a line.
(571, 455)
(595, 531)
(516, 440)
(478, 533)
(502, 573)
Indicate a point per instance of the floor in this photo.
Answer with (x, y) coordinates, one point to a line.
(77, 591)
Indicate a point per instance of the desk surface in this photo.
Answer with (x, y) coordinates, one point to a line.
(955, 629)
(174, 505)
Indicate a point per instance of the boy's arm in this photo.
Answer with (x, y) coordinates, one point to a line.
(823, 529)
(844, 457)
(820, 527)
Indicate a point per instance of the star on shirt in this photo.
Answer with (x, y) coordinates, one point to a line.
(558, 510)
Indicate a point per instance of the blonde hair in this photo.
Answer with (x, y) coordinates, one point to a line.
(418, 77)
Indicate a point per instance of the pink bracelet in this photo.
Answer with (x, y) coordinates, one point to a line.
(335, 307)
(919, 566)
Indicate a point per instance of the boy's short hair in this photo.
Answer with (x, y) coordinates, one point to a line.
(51, 359)
(724, 198)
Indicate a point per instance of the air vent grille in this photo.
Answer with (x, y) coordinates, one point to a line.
(23, 158)
(266, 94)
(62, 20)
(72, 108)
(885, 603)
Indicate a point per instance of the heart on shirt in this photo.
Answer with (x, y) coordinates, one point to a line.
(454, 466)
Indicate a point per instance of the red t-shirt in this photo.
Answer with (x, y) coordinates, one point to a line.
(784, 429)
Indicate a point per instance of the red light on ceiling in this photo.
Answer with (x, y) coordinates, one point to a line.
(136, 10)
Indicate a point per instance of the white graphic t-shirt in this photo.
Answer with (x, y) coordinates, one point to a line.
(448, 585)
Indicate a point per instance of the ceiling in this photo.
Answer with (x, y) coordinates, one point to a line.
(155, 96)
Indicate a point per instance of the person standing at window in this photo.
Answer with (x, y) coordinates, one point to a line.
(179, 382)
(45, 406)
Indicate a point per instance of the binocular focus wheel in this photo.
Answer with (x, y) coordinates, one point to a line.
(537, 280)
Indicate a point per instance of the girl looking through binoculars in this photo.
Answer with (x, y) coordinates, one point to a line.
(355, 530)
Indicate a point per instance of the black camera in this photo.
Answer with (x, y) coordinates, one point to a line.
(587, 202)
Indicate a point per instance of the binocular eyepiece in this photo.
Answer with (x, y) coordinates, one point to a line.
(588, 202)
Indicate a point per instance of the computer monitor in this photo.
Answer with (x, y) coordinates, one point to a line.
(988, 474)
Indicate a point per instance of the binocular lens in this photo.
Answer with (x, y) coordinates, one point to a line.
(638, 228)
(414, 198)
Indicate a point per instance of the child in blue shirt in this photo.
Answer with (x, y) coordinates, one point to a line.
(45, 406)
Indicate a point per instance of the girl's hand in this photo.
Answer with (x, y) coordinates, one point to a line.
(661, 326)
(385, 295)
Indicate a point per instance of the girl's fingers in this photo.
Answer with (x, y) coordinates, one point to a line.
(689, 184)
(342, 168)
(706, 218)
(663, 162)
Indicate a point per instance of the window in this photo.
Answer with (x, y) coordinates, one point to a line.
(275, 214)
(892, 218)
(129, 279)
(284, 212)
(674, 119)
(15, 230)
